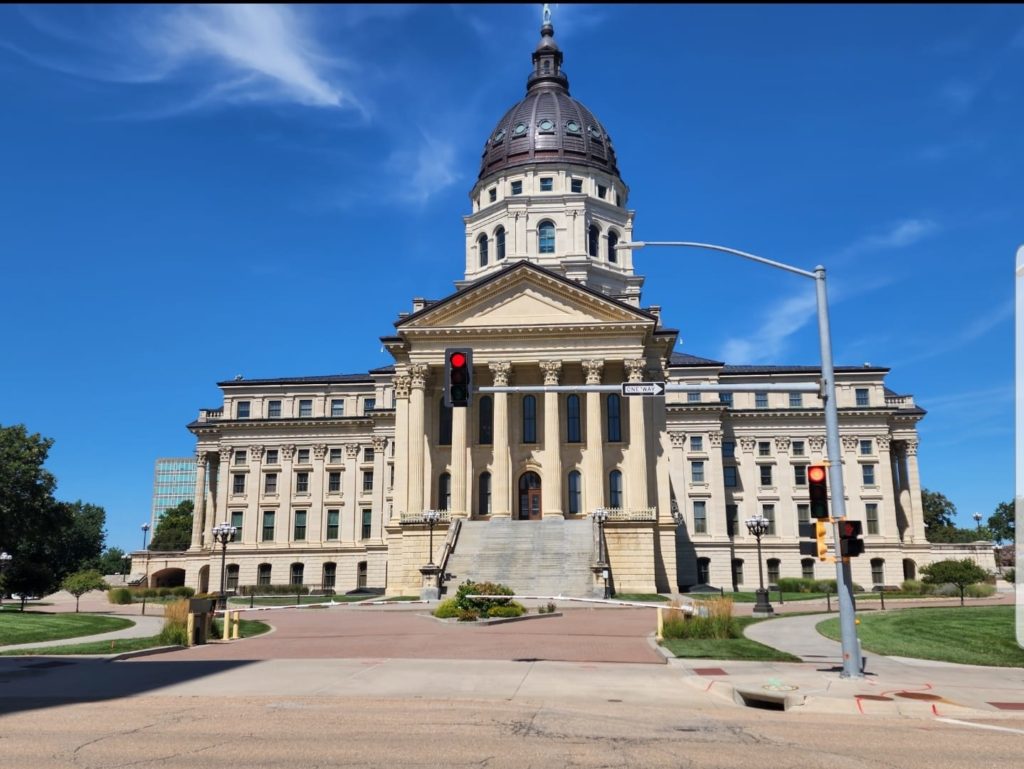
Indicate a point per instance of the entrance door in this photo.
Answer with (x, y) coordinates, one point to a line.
(529, 497)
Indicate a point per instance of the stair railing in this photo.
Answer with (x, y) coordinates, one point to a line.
(449, 546)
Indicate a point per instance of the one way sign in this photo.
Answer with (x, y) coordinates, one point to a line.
(643, 388)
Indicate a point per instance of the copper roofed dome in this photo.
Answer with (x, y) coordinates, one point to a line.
(548, 125)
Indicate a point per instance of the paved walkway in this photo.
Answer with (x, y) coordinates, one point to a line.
(143, 628)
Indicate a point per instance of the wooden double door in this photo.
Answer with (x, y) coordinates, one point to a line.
(529, 497)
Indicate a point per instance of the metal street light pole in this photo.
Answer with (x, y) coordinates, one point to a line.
(223, 533)
(847, 619)
(145, 534)
(977, 520)
(601, 516)
(758, 527)
(431, 517)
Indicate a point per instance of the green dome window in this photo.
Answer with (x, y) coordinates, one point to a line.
(520, 129)
(546, 126)
(572, 127)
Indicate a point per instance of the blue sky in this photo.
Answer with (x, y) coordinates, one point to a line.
(191, 193)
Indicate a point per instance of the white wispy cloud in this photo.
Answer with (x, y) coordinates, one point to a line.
(974, 330)
(900, 234)
(426, 169)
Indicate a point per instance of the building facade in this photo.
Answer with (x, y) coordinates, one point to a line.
(174, 482)
(326, 478)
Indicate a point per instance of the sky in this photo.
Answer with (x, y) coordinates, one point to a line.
(188, 193)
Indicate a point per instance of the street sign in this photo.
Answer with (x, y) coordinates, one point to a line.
(643, 388)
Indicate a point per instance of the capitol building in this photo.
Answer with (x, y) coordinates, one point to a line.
(327, 478)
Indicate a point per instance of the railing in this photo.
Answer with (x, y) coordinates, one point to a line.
(899, 401)
(622, 514)
(449, 547)
(411, 519)
(207, 415)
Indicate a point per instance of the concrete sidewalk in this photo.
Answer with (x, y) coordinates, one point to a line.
(143, 628)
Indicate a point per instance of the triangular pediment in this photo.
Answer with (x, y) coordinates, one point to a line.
(525, 296)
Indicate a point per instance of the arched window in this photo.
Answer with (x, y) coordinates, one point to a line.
(613, 241)
(482, 248)
(593, 239)
(572, 413)
(499, 243)
(484, 497)
(296, 574)
(529, 419)
(614, 417)
(574, 493)
(546, 237)
(330, 576)
(444, 492)
(486, 411)
(444, 425)
(615, 489)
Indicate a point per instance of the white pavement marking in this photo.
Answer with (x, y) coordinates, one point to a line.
(980, 726)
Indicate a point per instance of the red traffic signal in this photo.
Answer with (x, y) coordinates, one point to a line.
(458, 377)
(457, 359)
(850, 543)
(817, 486)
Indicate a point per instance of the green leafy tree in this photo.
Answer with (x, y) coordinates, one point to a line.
(1001, 522)
(27, 505)
(112, 561)
(79, 543)
(940, 517)
(960, 573)
(174, 529)
(27, 578)
(81, 582)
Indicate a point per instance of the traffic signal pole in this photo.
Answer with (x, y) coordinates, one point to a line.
(844, 584)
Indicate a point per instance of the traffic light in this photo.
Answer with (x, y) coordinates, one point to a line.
(458, 377)
(850, 543)
(816, 531)
(817, 485)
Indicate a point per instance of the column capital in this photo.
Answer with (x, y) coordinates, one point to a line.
(501, 370)
(352, 450)
(747, 444)
(418, 375)
(201, 457)
(552, 371)
(849, 442)
(715, 439)
(319, 451)
(593, 370)
(883, 442)
(911, 447)
(782, 444)
(225, 454)
(379, 443)
(403, 383)
(816, 442)
(288, 451)
(678, 438)
(256, 451)
(635, 369)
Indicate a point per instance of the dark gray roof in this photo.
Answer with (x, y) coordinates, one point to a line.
(325, 379)
(728, 369)
(684, 359)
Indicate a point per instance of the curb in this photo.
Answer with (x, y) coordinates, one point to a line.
(142, 653)
(492, 620)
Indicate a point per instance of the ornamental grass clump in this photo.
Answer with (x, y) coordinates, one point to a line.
(175, 630)
(713, 620)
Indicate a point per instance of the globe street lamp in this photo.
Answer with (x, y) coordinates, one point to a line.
(601, 516)
(758, 527)
(223, 533)
(5, 559)
(145, 534)
(431, 517)
(977, 520)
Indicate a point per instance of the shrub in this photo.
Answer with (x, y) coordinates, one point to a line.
(713, 620)
(446, 609)
(981, 590)
(183, 592)
(164, 592)
(551, 608)
(912, 586)
(1010, 575)
(148, 592)
(509, 610)
(797, 585)
(481, 606)
(119, 595)
(829, 586)
(273, 590)
(467, 615)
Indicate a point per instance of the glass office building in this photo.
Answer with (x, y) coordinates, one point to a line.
(173, 483)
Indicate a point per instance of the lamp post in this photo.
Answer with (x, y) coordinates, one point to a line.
(758, 527)
(431, 517)
(126, 566)
(5, 559)
(601, 516)
(223, 533)
(977, 521)
(431, 586)
(145, 534)
(847, 619)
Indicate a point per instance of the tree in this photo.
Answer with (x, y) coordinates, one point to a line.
(27, 578)
(80, 541)
(960, 573)
(81, 582)
(112, 561)
(940, 517)
(1001, 522)
(174, 529)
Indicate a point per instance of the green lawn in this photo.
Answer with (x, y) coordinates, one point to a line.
(647, 597)
(981, 635)
(289, 600)
(728, 649)
(773, 595)
(30, 627)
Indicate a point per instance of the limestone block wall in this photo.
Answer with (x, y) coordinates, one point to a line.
(631, 556)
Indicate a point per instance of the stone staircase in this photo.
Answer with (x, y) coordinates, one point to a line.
(547, 557)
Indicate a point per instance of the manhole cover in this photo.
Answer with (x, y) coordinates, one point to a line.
(919, 696)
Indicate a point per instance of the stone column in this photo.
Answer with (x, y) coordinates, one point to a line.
(678, 472)
(551, 489)
(916, 509)
(255, 488)
(350, 523)
(785, 507)
(282, 521)
(380, 483)
(593, 459)
(636, 477)
(717, 525)
(315, 516)
(749, 472)
(199, 509)
(400, 492)
(417, 431)
(459, 462)
(888, 521)
(500, 496)
(223, 491)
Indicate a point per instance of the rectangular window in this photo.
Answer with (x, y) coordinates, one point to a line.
(270, 483)
(369, 404)
(517, 188)
(869, 475)
(232, 580)
(761, 400)
(273, 409)
(803, 513)
(368, 454)
(305, 408)
(725, 398)
(367, 523)
(773, 567)
(737, 572)
(796, 400)
(332, 523)
(862, 396)
(697, 472)
(732, 519)
(728, 449)
(263, 574)
(368, 480)
(764, 448)
(492, 194)
(335, 457)
(729, 473)
(696, 443)
(268, 526)
(272, 456)
(240, 457)
(768, 511)
(238, 483)
(700, 517)
(301, 483)
(799, 475)
(807, 568)
(877, 571)
(237, 517)
(614, 418)
(573, 430)
(334, 482)
(766, 475)
(866, 446)
(546, 184)
(693, 397)
(300, 526)
(576, 185)
(337, 407)
(798, 448)
(242, 410)
(601, 191)
(529, 419)
(391, 476)
(871, 513)
(303, 457)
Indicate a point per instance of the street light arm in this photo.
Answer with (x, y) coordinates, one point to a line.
(637, 244)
